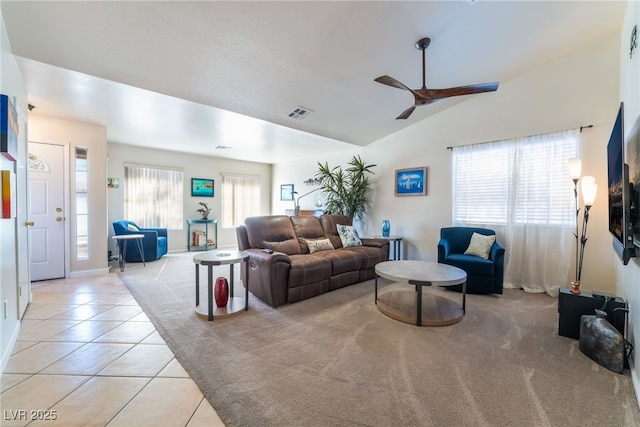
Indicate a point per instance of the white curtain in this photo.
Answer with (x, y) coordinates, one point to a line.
(521, 188)
(153, 196)
(240, 199)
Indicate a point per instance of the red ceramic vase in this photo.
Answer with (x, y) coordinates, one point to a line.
(221, 292)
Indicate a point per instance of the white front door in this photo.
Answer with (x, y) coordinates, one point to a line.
(46, 211)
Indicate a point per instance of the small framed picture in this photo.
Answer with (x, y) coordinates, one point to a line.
(201, 187)
(411, 182)
(286, 192)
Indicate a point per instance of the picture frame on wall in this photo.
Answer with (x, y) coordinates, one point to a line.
(286, 192)
(411, 181)
(8, 129)
(201, 187)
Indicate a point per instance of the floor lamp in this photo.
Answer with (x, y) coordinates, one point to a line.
(589, 189)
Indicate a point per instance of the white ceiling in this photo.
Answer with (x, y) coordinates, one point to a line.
(195, 75)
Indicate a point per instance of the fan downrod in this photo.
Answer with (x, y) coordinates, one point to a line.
(423, 44)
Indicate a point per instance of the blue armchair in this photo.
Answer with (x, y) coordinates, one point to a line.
(154, 242)
(484, 276)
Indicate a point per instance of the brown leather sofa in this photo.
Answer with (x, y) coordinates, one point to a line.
(291, 273)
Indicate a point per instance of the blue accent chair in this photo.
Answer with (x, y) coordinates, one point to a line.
(484, 276)
(154, 242)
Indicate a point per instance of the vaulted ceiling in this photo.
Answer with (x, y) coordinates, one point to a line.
(194, 76)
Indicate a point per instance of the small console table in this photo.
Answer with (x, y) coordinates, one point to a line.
(396, 243)
(207, 245)
(122, 247)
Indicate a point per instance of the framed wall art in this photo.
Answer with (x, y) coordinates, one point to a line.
(286, 192)
(201, 187)
(411, 182)
(8, 129)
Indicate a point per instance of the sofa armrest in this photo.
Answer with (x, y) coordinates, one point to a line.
(376, 243)
(268, 276)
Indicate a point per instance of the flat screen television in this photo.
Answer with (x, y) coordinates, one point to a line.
(619, 191)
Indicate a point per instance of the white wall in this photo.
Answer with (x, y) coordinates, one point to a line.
(94, 138)
(628, 277)
(572, 91)
(194, 166)
(12, 85)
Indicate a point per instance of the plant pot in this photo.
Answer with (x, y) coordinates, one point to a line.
(221, 292)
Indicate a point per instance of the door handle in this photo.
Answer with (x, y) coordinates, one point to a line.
(29, 223)
(59, 219)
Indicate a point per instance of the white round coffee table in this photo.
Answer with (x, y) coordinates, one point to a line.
(408, 305)
(234, 305)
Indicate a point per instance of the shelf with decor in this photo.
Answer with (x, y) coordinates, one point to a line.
(200, 239)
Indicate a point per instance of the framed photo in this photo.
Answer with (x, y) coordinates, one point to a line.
(201, 187)
(8, 129)
(286, 192)
(411, 182)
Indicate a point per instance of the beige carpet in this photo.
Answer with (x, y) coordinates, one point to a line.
(335, 360)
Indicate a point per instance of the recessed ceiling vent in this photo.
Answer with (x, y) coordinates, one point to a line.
(300, 113)
(223, 147)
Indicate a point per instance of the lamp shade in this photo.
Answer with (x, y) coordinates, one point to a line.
(589, 190)
(575, 168)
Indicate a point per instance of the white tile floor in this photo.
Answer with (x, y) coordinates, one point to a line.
(87, 355)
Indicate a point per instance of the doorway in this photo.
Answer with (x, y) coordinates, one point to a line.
(46, 210)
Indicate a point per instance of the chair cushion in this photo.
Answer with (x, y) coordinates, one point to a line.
(471, 264)
(480, 245)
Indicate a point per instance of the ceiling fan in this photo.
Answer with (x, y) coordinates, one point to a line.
(427, 96)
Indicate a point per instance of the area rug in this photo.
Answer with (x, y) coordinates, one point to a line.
(335, 360)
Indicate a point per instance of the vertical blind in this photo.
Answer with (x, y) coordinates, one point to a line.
(240, 199)
(520, 181)
(153, 196)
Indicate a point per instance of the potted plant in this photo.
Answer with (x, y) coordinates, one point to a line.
(346, 192)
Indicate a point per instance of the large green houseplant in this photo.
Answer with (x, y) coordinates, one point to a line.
(346, 192)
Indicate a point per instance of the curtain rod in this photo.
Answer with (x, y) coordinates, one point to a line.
(499, 140)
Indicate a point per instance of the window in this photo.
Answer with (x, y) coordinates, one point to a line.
(521, 181)
(240, 199)
(82, 207)
(153, 196)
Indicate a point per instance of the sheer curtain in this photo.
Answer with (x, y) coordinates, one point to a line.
(153, 196)
(521, 188)
(240, 198)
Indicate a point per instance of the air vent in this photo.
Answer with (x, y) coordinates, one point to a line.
(223, 147)
(300, 113)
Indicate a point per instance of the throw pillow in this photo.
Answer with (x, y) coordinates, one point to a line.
(319, 245)
(132, 227)
(480, 245)
(348, 236)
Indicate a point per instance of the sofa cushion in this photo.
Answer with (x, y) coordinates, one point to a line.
(317, 245)
(329, 225)
(471, 264)
(348, 236)
(343, 260)
(307, 227)
(273, 232)
(480, 245)
(308, 268)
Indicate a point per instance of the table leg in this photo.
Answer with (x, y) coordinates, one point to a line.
(141, 250)
(246, 285)
(231, 280)
(375, 295)
(210, 291)
(123, 254)
(464, 297)
(197, 285)
(419, 304)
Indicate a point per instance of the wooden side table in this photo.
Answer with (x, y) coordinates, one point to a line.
(122, 247)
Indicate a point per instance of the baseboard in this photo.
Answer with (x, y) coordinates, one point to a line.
(96, 272)
(10, 345)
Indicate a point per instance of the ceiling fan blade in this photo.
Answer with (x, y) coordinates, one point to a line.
(390, 81)
(461, 90)
(406, 113)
